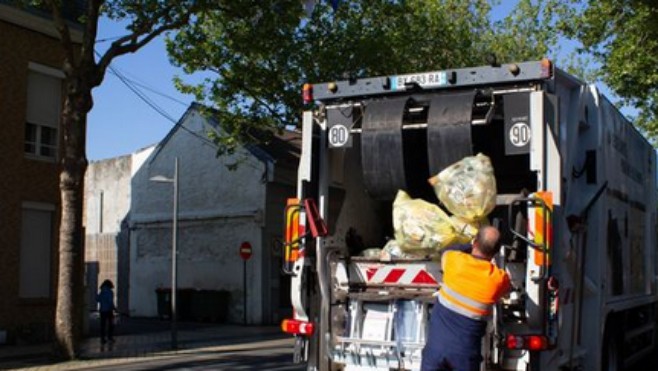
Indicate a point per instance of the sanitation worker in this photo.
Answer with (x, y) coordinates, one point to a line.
(471, 286)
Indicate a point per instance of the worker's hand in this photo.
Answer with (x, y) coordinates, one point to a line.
(436, 293)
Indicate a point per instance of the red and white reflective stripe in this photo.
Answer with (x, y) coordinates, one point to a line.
(399, 275)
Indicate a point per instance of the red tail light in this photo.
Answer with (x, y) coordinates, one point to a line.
(529, 342)
(514, 342)
(536, 342)
(307, 93)
(293, 326)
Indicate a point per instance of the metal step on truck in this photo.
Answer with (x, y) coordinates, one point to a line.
(576, 207)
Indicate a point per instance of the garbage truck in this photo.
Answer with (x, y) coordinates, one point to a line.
(576, 205)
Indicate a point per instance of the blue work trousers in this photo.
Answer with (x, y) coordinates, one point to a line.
(434, 360)
(453, 342)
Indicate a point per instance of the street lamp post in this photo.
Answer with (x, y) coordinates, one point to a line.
(174, 251)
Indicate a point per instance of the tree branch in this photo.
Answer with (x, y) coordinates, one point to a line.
(91, 31)
(64, 31)
(251, 94)
(131, 43)
(263, 103)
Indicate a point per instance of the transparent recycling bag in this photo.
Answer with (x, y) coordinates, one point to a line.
(466, 230)
(421, 227)
(467, 188)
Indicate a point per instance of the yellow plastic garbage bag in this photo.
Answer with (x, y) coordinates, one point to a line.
(420, 227)
(467, 188)
(466, 230)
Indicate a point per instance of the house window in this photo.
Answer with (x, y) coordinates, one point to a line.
(44, 101)
(36, 250)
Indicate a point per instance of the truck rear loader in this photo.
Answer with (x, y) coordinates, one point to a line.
(576, 206)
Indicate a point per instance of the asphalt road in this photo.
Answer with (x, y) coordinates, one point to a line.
(145, 344)
(268, 356)
(206, 347)
(272, 354)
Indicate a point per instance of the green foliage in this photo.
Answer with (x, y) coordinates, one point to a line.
(149, 14)
(262, 52)
(529, 31)
(622, 35)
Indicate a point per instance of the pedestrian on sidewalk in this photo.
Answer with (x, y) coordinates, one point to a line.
(105, 299)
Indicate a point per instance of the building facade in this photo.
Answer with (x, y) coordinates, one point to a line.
(218, 210)
(106, 216)
(31, 92)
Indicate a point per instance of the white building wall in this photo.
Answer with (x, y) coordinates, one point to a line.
(218, 209)
(107, 194)
(107, 191)
(106, 213)
(138, 158)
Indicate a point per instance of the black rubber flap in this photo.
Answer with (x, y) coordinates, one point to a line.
(381, 148)
(449, 129)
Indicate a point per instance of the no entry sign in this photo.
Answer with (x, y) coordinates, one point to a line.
(245, 250)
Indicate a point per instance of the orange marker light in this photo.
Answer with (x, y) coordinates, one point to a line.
(292, 231)
(546, 68)
(307, 93)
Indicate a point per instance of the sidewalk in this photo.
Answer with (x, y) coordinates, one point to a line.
(136, 338)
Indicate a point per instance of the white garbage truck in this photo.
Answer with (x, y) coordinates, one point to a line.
(576, 206)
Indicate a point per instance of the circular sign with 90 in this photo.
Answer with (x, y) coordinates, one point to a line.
(339, 135)
(519, 134)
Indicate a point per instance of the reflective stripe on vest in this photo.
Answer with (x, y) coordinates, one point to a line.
(470, 285)
(465, 306)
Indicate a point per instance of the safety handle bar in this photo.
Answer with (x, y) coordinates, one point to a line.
(534, 202)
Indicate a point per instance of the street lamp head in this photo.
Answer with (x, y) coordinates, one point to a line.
(161, 179)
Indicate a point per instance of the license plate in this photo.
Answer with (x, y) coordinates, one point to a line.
(425, 80)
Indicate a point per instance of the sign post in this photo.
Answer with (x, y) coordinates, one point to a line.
(245, 253)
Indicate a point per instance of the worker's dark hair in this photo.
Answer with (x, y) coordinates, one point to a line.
(487, 241)
(108, 284)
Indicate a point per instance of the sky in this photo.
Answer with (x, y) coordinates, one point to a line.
(119, 122)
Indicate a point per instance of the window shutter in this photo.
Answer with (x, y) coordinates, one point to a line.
(35, 253)
(44, 99)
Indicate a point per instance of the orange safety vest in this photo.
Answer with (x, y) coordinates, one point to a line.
(471, 286)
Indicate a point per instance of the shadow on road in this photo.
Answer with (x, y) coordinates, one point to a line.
(150, 340)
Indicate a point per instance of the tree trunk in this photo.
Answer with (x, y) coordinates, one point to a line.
(70, 290)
